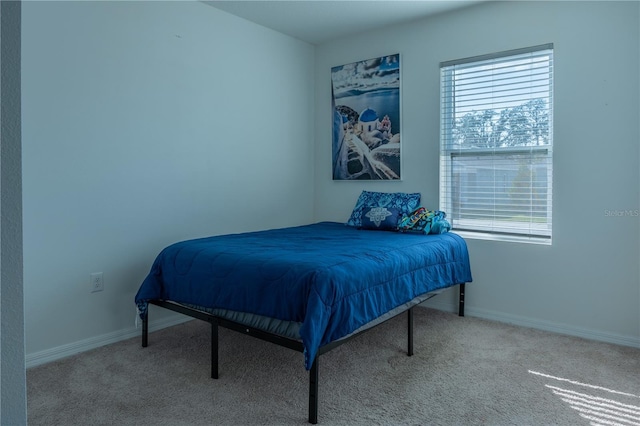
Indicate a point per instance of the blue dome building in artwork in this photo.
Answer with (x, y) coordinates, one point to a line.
(368, 120)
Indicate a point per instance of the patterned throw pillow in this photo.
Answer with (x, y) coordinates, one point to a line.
(405, 203)
(425, 221)
(380, 218)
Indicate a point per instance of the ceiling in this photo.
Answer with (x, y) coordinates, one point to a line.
(319, 21)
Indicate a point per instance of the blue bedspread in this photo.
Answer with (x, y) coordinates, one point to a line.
(330, 277)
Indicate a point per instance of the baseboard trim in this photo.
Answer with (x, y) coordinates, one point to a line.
(540, 325)
(59, 352)
(54, 354)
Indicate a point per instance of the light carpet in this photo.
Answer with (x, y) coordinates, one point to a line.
(465, 371)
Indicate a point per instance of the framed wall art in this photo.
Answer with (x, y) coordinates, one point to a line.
(366, 119)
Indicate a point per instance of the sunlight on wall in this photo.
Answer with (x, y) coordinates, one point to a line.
(597, 409)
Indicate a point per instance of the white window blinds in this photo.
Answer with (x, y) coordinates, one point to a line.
(496, 143)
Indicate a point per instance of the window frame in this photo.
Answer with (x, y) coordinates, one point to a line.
(509, 229)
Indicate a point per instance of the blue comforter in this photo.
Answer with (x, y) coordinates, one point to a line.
(329, 277)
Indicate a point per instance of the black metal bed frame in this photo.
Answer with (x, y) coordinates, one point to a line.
(278, 340)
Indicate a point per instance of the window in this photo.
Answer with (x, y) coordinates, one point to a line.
(496, 144)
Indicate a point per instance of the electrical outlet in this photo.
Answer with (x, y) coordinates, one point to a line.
(97, 282)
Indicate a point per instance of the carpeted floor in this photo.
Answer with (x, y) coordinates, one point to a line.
(465, 371)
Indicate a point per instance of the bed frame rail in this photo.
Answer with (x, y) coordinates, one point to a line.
(296, 345)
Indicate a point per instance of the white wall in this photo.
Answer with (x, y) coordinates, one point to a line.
(145, 123)
(587, 283)
(148, 123)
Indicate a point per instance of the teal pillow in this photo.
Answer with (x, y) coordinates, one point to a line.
(425, 221)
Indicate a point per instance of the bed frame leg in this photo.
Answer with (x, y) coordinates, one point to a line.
(410, 332)
(313, 392)
(145, 330)
(214, 350)
(461, 302)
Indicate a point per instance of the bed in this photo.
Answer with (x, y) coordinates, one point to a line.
(309, 288)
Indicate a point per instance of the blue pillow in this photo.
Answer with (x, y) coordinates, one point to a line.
(380, 218)
(405, 203)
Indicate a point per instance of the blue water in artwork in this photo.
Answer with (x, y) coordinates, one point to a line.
(383, 102)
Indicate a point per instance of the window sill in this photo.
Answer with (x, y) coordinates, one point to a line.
(487, 236)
